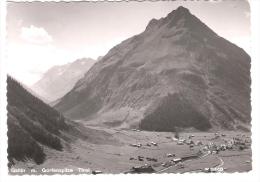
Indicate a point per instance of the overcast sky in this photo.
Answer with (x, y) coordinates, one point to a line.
(41, 35)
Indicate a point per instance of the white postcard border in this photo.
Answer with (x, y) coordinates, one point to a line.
(253, 175)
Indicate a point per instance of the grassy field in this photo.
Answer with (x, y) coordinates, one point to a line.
(118, 154)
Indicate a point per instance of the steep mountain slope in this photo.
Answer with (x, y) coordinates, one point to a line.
(177, 73)
(33, 92)
(57, 81)
(33, 126)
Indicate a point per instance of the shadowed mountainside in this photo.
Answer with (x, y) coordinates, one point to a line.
(33, 125)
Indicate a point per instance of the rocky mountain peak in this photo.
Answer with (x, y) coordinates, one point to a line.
(176, 15)
(180, 11)
(181, 19)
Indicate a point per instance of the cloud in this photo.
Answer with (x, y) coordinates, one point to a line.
(35, 35)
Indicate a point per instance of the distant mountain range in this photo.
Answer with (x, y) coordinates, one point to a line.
(59, 80)
(178, 73)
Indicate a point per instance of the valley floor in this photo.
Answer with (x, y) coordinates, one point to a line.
(159, 150)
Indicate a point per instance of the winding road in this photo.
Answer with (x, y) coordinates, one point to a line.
(197, 170)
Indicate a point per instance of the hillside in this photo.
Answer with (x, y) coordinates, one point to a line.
(178, 67)
(59, 80)
(33, 126)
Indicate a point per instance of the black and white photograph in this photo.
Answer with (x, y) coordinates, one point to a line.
(128, 87)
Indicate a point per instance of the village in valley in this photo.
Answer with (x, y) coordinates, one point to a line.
(137, 151)
(215, 147)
